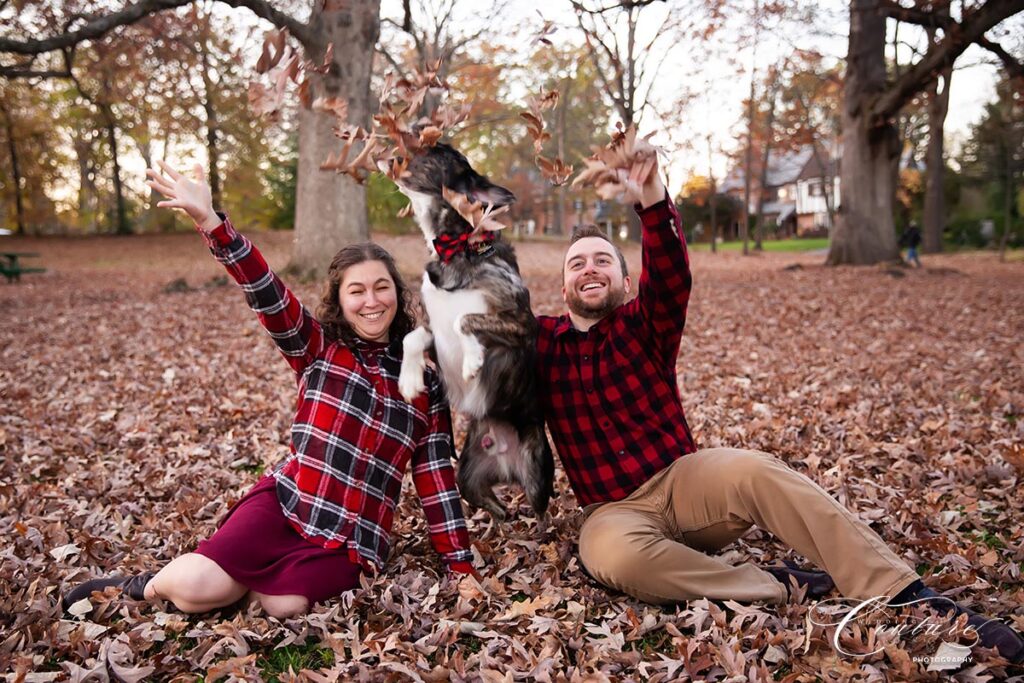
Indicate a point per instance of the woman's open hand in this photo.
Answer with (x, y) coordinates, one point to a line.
(191, 196)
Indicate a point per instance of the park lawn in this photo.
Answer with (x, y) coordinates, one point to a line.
(131, 418)
(787, 245)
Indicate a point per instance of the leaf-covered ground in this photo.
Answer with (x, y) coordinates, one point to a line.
(132, 417)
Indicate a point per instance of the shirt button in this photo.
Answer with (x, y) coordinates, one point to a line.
(586, 357)
(622, 452)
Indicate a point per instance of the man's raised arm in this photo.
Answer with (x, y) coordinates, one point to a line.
(665, 280)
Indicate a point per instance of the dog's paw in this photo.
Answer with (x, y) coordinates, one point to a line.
(410, 381)
(471, 364)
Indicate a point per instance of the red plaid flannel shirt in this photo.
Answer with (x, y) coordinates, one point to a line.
(353, 435)
(610, 395)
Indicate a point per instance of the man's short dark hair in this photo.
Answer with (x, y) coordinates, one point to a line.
(591, 230)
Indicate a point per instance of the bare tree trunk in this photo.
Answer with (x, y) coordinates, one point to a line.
(748, 170)
(768, 134)
(1007, 203)
(827, 183)
(560, 193)
(12, 149)
(864, 231)
(150, 214)
(713, 201)
(331, 209)
(87, 195)
(212, 150)
(122, 227)
(935, 166)
(759, 221)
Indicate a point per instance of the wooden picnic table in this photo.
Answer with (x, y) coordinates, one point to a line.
(11, 267)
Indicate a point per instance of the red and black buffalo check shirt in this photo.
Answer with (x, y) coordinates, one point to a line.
(610, 395)
(353, 435)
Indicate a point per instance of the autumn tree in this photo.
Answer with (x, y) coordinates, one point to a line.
(993, 157)
(810, 104)
(330, 210)
(31, 158)
(430, 33)
(864, 230)
(627, 66)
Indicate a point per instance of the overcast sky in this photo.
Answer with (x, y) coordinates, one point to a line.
(719, 110)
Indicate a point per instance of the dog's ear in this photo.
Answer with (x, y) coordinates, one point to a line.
(489, 193)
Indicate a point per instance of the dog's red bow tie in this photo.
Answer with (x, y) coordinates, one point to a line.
(449, 246)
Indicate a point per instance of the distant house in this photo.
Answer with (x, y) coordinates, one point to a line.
(794, 192)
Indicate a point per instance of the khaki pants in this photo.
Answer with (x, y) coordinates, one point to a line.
(653, 544)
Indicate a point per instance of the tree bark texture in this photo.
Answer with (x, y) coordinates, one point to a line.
(331, 208)
(212, 148)
(121, 226)
(12, 149)
(865, 232)
(935, 166)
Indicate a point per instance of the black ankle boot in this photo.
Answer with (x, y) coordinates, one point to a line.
(819, 584)
(132, 587)
(991, 632)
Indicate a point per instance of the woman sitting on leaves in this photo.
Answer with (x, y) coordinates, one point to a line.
(305, 532)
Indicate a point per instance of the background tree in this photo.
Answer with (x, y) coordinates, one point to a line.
(31, 159)
(627, 67)
(865, 231)
(993, 159)
(810, 102)
(330, 210)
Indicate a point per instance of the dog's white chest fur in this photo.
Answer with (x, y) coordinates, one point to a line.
(457, 353)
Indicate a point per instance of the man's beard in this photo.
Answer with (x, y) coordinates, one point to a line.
(597, 310)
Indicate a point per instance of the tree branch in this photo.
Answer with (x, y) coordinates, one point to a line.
(13, 72)
(95, 28)
(957, 38)
(913, 15)
(626, 5)
(301, 31)
(1013, 66)
(98, 26)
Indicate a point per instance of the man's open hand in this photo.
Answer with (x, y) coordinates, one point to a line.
(191, 196)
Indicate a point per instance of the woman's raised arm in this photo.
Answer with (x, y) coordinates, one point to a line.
(292, 327)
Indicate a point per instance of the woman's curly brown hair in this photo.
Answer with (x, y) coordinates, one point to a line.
(329, 313)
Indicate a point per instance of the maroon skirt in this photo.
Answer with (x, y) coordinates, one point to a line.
(260, 549)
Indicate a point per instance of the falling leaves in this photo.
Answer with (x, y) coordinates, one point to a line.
(103, 451)
(480, 217)
(546, 29)
(397, 133)
(554, 170)
(621, 167)
(281, 65)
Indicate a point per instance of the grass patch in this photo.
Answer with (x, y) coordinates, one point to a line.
(783, 671)
(989, 539)
(468, 644)
(653, 641)
(787, 245)
(274, 663)
(1015, 254)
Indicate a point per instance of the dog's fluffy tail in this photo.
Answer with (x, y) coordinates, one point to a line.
(497, 453)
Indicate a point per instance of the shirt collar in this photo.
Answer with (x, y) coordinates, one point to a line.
(367, 346)
(564, 324)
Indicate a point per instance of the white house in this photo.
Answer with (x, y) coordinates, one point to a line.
(794, 192)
